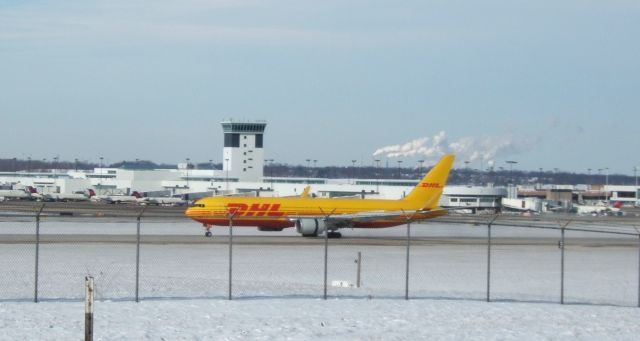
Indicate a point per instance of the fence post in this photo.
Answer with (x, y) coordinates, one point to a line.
(562, 265)
(489, 257)
(359, 262)
(406, 280)
(138, 254)
(561, 246)
(326, 256)
(231, 215)
(37, 260)
(88, 308)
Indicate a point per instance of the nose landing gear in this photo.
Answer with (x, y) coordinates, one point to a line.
(208, 232)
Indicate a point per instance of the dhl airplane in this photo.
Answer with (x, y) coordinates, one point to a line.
(312, 216)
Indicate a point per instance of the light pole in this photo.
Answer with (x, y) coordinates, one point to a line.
(635, 174)
(28, 164)
(15, 170)
(100, 182)
(353, 169)
(75, 162)
(187, 176)
(511, 163)
(377, 175)
(270, 171)
(315, 169)
(226, 161)
(606, 183)
(420, 165)
(55, 164)
(212, 171)
(399, 170)
(308, 170)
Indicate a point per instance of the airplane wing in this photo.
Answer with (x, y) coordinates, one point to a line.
(347, 220)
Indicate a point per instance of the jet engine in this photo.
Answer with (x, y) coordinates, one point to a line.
(310, 227)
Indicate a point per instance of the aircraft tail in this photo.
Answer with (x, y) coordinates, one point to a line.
(305, 193)
(428, 192)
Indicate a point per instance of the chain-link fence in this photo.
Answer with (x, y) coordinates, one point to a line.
(135, 257)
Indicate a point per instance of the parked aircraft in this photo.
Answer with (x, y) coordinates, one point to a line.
(158, 201)
(15, 194)
(116, 198)
(76, 196)
(599, 209)
(312, 216)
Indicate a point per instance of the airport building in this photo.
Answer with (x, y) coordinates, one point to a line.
(243, 158)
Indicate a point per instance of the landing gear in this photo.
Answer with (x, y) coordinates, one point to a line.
(208, 232)
(334, 234)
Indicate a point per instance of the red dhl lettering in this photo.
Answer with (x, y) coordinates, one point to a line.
(255, 210)
(430, 185)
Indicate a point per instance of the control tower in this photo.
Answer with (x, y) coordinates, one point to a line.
(243, 153)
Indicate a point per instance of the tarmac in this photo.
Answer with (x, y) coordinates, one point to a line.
(620, 230)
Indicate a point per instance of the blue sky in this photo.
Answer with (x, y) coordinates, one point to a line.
(550, 84)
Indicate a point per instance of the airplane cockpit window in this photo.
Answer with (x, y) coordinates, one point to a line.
(198, 205)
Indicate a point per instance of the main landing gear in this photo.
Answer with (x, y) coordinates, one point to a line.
(334, 234)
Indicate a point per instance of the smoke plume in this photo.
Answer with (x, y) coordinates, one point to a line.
(483, 149)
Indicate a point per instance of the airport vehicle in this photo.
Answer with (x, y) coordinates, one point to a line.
(313, 216)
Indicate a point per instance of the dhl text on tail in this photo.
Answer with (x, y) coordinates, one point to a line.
(312, 216)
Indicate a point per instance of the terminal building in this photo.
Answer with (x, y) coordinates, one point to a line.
(243, 158)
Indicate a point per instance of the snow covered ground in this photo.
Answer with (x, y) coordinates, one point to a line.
(277, 288)
(307, 319)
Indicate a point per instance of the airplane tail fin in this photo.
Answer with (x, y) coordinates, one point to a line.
(92, 193)
(427, 193)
